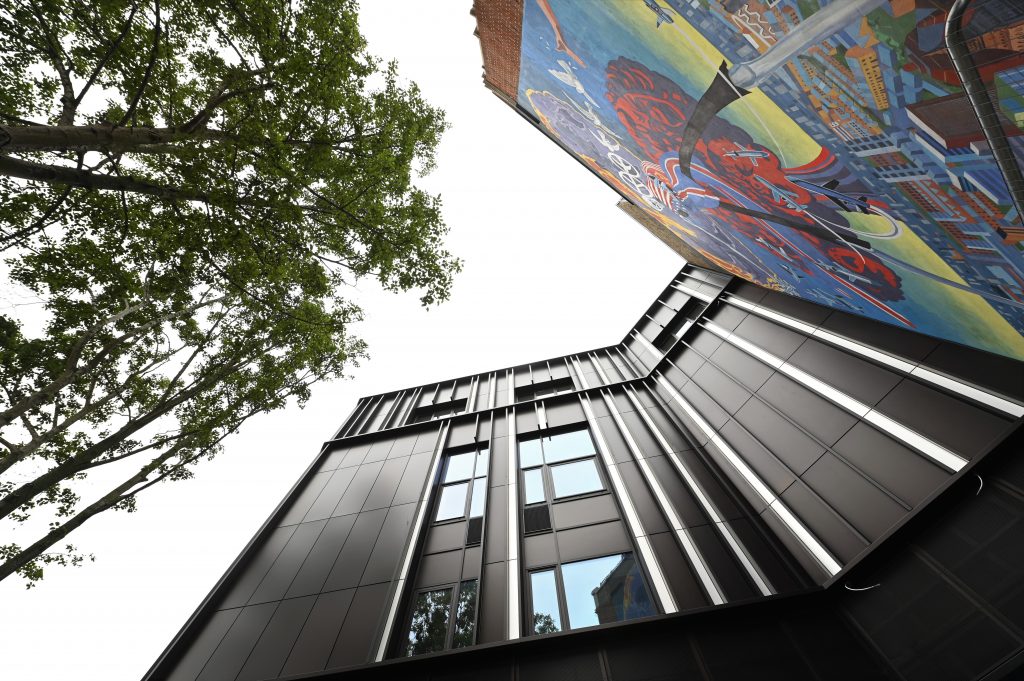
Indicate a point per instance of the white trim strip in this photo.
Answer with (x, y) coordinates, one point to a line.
(755, 574)
(511, 387)
(473, 385)
(410, 548)
(492, 385)
(596, 361)
(648, 344)
(693, 554)
(971, 392)
(808, 540)
(579, 373)
(691, 292)
(658, 580)
(924, 445)
(512, 529)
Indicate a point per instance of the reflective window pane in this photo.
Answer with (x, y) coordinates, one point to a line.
(603, 590)
(533, 483)
(568, 446)
(545, 602)
(465, 615)
(578, 477)
(530, 454)
(482, 457)
(429, 622)
(476, 504)
(460, 467)
(453, 501)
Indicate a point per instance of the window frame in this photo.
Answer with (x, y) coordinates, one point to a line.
(449, 640)
(470, 482)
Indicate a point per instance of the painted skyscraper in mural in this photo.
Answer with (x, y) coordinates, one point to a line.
(815, 148)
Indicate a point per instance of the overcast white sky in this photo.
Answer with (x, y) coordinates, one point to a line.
(551, 267)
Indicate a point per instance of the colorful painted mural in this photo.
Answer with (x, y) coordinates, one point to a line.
(819, 149)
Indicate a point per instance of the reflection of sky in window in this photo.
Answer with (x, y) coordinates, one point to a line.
(576, 478)
(453, 501)
(481, 462)
(568, 446)
(605, 590)
(530, 454)
(580, 580)
(534, 483)
(460, 467)
(545, 602)
(476, 506)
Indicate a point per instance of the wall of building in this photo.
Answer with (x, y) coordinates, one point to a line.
(751, 444)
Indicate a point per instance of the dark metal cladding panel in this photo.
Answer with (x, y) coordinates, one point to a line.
(672, 432)
(765, 653)
(777, 476)
(741, 366)
(713, 485)
(778, 340)
(817, 415)
(471, 563)
(348, 569)
(722, 563)
(965, 429)
(863, 505)
(313, 647)
(314, 571)
(526, 419)
(997, 373)
(426, 440)
(593, 540)
(703, 344)
(379, 450)
(797, 449)
(394, 535)
(362, 627)
(445, 537)
(727, 316)
(563, 412)
(386, 486)
(783, 573)
(462, 433)
(584, 511)
(252, 572)
(686, 588)
(234, 648)
(687, 508)
(900, 342)
(402, 446)
(280, 576)
(439, 568)
(491, 617)
(496, 534)
(359, 489)
(726, 392)
(271, 651)
(497, 471)
(638, 430)
(305, 499)
(823, 522)
(197, 654)
(713, 414)
(858, 378)
(561, 666)
(807, 312)
(616, 444)
(785, 538)
(334, 458)
(324, 505)
(414, 477)
(651, 518)
(539, 550)
(356, 455)
(657, 656)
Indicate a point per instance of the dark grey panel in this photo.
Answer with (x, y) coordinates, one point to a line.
(305, 499)
(362, 626)
(796, 449)
(394, 535)
(413, 479)
(439, 568)
(689, 360)
(316, 640)
(356, 455)
(355, 496)
(651, 518)
(767, 467)
(471, 563)
(539, 550)
(913, 346)
(277, 581)
(722, 563)
(712, 485)
(426, 440)
(840, 539)
(462, 433)
(379, 451)
(499, 425)
(862, 504)
(324, 505)
(497, 472)
(352, 560)
(856, 377)
(685, 504)
(749, 292)
(491, 617)
(252, 573)
(722, 389)
(591, 541)
(200, 650)
(670, 431)
(496, 534)
(768, 555)
(818, 416)
(641, 435)
(526, 419)
(402, 446)
(741, 366)
(234, 648)
(561, 666)
(584, 511)
(909, 475)
(386, 485)
(1001, 374)
(791, 306)
(445, 537)
(769, 336)
(616, 444)
(962, 427)
(655, 656)
(314, 571)
(563, 413)
(727, 316)
(816, 574)
(705, 406)
(276, 643)
(681, 580)
(333, 459)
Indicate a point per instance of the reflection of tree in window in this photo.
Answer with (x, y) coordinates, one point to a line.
(543, 624)
(429, 628)
(465, 616)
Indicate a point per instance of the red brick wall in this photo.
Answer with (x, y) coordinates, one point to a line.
(498, 25)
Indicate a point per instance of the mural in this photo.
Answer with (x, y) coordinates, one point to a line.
(825, 150)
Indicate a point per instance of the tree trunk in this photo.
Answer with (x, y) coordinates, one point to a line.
(22, 138)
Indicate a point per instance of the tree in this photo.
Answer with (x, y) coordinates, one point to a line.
(188, 187)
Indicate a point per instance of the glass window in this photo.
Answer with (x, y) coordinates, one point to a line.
(545, 602)
(460, 467)
(530, 454)
(453, 501)
(578, 477)
(533, 481)
(429, 629)
(482, 458)
(568, 446)
(476, 505)
(465, 615)
(601, 590)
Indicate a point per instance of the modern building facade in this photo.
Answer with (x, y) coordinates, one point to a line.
(746, 486)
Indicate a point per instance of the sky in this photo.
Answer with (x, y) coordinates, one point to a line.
(551, 267)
